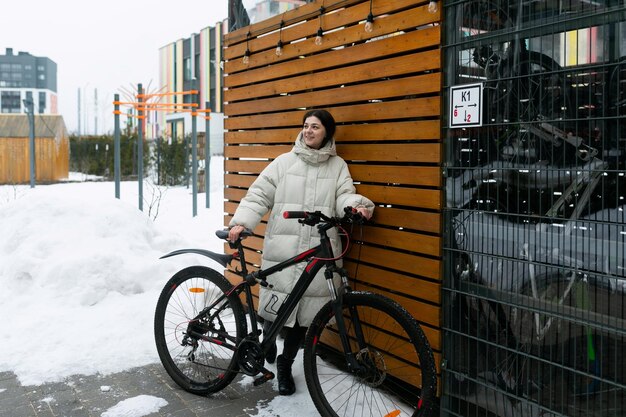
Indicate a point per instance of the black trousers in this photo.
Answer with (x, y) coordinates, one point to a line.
(294, 336)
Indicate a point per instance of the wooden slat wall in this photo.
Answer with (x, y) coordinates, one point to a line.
(51, 160)
(383, 88)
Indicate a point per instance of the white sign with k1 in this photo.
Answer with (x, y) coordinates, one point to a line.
(465, 105)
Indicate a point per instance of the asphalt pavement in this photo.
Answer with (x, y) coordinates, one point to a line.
(91, 396)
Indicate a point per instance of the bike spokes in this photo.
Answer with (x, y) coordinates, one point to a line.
(197, 326)
(388, 369)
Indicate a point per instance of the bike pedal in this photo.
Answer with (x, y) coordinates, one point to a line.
(263, 378)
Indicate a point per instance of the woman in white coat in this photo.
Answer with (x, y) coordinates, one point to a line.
(308, 178)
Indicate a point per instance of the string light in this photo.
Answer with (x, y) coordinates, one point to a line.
(246, 55)
(433, 7)
(279, 45)
(319, 37)
(369, 22)
(320, 33)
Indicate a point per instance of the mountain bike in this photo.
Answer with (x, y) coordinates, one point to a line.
(529, 99)
(364, 354)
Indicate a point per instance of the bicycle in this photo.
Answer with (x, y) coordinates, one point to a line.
(530, 101)
(363, 352)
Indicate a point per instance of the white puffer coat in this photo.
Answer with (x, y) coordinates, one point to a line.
(303, 179)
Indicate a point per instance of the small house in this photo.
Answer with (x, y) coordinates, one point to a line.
(51, 149)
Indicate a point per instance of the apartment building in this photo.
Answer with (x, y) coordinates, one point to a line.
(27, 77)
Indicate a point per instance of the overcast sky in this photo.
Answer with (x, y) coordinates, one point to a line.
(104, 45)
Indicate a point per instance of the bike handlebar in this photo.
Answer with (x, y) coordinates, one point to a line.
(313, 218)
(295, 214)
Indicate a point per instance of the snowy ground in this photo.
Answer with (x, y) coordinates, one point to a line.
(80, 276)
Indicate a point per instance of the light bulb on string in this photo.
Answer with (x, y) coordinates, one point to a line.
(279, 48)
(320, 33)
(369, 23)
(279, 45)
(433, 7)
(319, 38)
(246, 55)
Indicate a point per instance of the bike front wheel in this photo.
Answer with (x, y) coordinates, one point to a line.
(197, 325)
(393, 368)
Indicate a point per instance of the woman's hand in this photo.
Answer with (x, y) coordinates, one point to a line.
(234, 232)
(364, 212)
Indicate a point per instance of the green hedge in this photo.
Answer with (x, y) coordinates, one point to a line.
(169, 161)
(93, 155)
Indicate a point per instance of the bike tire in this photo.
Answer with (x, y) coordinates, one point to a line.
(532, 327)
(209, 367)
(395, 344)
(535, 86)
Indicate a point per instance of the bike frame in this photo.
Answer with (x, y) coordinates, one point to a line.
(311, 269)
(316, 258)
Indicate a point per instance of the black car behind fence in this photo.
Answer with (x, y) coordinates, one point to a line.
(535, 280)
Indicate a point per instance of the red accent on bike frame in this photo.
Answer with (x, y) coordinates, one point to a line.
(344, 251)
(304, 255)
(217, 342)
(311, 264)
(419, 404)
(235, 287)
(315, 341)
(236, 254)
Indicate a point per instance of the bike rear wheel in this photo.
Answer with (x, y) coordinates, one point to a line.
(394, 358)
(198, 351)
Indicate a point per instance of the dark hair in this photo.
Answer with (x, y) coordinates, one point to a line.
(327, 120)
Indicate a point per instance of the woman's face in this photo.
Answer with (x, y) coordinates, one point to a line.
(313, 132)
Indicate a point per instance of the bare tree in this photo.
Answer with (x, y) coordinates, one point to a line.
(153, 197)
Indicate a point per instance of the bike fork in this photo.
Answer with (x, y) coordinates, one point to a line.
(342, 324)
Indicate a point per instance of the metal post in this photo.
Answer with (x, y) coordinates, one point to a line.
(116, 145)
(186, 142)
(79, 116)
(30, 112)
(95, 110)
(159, 140)
(194, 163)
(207, 156)
(140, 114)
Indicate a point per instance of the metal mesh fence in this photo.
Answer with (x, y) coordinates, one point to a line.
(535, 280)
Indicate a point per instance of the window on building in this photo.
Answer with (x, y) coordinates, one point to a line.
(187, 69)
(10, 102)
(213, 69)
(42, 102)
(197, 65)
(41, 68)
(42, 76)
